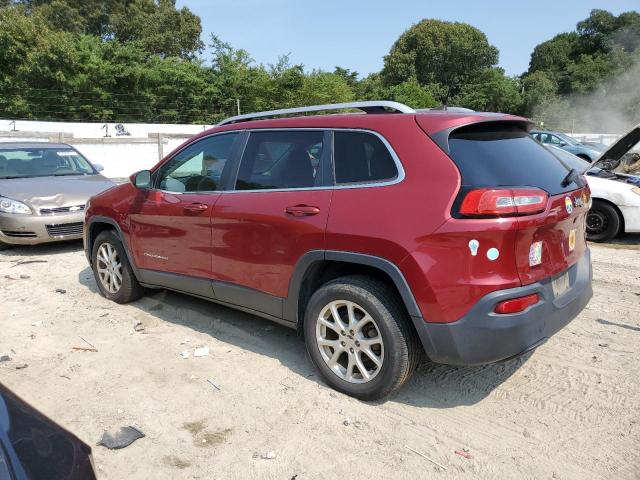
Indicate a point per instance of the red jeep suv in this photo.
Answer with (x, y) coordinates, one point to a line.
(379, 236)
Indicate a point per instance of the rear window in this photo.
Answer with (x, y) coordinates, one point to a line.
(498, 154)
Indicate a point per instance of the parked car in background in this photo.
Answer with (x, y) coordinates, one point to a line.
(615, 196)
(34, 447)
(589, 153)
(43, 191)
(377, 236)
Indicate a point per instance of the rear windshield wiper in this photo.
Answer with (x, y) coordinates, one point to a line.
(574, 176)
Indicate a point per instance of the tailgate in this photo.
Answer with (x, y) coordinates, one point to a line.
(550, 242)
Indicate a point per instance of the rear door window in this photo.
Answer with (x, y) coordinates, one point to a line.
(499, 154)
(281, 159)
(361, 157)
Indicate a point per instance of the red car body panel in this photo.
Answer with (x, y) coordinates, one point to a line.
(256, 244)
(172, 232)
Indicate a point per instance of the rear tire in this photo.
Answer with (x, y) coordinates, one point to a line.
(112, 270)
(603, 222)
(373, 335)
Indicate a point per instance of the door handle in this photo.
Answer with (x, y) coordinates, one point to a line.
(302, 210)
(195, 208)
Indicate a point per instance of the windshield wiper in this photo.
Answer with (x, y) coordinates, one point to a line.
(574, 176)
(67, 174)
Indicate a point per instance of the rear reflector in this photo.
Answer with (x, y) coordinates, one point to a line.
(516, 305)
(499, 202)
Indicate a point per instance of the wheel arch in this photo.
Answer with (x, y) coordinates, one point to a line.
(99, 224)
(318, 267)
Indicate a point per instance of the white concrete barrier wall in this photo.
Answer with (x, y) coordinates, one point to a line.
(121, 160)
(123, 155)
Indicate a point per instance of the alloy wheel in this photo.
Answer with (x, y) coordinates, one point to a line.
(109, 267)
(349, 341)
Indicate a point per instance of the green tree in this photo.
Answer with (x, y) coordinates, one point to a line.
(449, 54)
(491, 91)
(159, 28)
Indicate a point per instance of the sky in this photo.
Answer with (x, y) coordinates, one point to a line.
(356, 34)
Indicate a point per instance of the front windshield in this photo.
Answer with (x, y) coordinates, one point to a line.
(42, 162)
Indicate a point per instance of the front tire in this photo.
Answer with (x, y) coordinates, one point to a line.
(112, 270)
(360, 338)
(603, 222)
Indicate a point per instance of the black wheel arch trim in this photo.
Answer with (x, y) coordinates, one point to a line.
(290, 308)
(109, 221)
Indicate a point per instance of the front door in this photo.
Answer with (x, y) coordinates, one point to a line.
(277, 212)
(171, 224)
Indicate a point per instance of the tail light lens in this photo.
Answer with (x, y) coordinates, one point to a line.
(504, 202)
(516, 305)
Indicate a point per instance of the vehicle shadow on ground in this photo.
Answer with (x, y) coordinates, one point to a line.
(432, 385)
(40, 252)
(626, 240)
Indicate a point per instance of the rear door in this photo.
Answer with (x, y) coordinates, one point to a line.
(277, 212)
(171, 223)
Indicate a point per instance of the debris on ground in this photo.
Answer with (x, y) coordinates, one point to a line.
(139, 327)
(21, 366)
(185, 341)
(20, 277)
(201, 352)
(27, 262)
(265, 456)
(427, 458)
(184, 354)
(5, 358)
(215, 385)
(61, 290)
(347, 422)
(84, 349)
(122, 438)
(603, 345)
(37, 324)
(464, 453)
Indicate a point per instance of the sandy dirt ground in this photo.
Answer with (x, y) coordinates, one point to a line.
(570, 410)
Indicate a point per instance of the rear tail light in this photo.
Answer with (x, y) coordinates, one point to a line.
(504, 202)
(516, 305)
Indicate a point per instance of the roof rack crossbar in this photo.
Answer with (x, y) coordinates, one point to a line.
(381, 106)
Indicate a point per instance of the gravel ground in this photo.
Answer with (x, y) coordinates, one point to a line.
(568, 410)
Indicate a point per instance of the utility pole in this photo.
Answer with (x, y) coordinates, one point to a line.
(238, 103)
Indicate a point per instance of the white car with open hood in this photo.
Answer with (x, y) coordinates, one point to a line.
(615, 196)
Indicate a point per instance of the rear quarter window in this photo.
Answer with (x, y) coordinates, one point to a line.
(499, 154)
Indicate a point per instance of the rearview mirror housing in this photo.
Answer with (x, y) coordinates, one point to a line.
(142, 179)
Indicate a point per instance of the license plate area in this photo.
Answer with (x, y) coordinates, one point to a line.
(560, 285)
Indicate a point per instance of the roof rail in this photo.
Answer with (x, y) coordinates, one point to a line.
(377, 106)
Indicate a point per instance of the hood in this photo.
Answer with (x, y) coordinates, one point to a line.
(621, 147)
(45, 192)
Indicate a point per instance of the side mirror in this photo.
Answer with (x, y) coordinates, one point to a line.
(98, 167)
(562, 144)
(142, 179)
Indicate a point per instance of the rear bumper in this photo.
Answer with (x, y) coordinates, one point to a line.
(482, 336)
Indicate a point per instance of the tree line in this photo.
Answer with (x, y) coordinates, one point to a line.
(143, 61)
